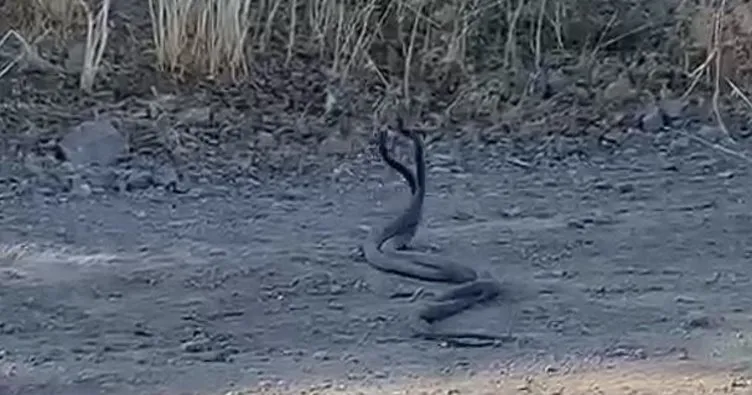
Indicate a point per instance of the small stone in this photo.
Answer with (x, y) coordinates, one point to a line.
(213, 356)
(166, 176)
(602, 185)
(81, 189)
(294, 194)
(699, 321)
(334, 145)
(626, 187)
(337, 289)
(139, 180)
(652, 120)
(685, 299)
(581, 94)
(712, 134)
(321, 356)
(618, 352)
(726, 174)
(196, 346)
(619, 90)
(614, 136)
(673, 108)
(557, 82)
(679, 145)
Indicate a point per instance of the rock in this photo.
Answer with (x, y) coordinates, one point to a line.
(557, 82)
(165, 175)
(615, 136)
(74, 60)
(196, 346)
(673, 108)
(626, 187)
(140, 179)
(265, 140)
(101, 179)
(652, 120)
(619, 90)
(93, 142)
(581, 94)
(321, 355)
(80, 188)
(679, 145)
(334, 145)
(712, 134)
(699, 321)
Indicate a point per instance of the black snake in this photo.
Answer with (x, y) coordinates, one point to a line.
(423, 266)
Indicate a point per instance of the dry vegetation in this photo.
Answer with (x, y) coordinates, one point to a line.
(480, 53)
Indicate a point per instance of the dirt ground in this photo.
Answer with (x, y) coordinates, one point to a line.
(622, 251)
(633, 256)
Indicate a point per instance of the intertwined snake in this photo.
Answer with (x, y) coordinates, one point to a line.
(423, 266)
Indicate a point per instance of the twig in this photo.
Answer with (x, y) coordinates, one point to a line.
(697, 73)
(740, 93)
(15, 60)
(717, 81)
(717, 146)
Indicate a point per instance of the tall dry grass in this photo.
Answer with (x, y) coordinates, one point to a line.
(201, 35)
(399, 42)
(385, 37)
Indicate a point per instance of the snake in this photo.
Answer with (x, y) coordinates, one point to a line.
(470, 289)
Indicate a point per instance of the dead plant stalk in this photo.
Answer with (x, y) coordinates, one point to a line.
(97, 32)
(24, 44)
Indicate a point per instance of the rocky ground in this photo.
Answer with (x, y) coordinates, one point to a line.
(134, 278)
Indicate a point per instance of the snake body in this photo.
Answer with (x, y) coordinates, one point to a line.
(407, 231)
(422, 266)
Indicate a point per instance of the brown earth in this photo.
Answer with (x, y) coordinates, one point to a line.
(623, 252)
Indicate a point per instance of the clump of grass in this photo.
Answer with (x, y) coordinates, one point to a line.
(170, 28)
(63, 13)
(202, 36)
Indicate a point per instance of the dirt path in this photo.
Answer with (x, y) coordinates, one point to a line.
(638, 256)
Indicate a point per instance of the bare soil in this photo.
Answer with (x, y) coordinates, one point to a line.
(637, 254)
(623, 253)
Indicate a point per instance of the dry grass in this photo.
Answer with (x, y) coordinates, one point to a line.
(407, 45)
(61, 15)
(719, 43)
(12, 34)
(39, 17)
(201, 35)
(387, 37)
